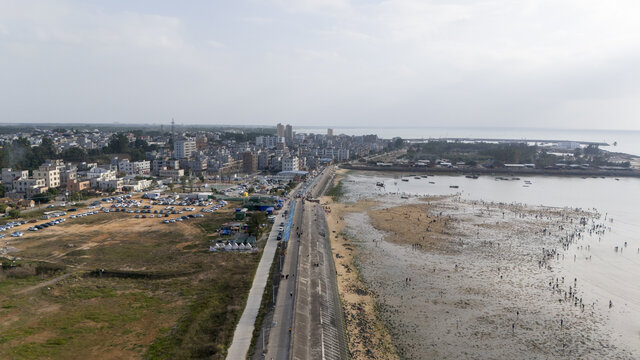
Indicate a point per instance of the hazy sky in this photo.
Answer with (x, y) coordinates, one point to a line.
(529, 63)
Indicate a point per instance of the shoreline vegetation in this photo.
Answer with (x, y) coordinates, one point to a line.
(368, 337)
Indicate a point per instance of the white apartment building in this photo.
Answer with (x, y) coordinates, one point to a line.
(9, 176)
(51, 176)
(24, 185)
(135, 168)
(291, 164)
(184, 148)
(171, 173)
(103, 174)
(269, 141)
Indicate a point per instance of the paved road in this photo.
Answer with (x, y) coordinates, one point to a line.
(318, 330)
(279, 336)
(244, 330)
(309, 305)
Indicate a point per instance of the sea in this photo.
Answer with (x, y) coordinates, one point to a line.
(604, 272)
(627, 141)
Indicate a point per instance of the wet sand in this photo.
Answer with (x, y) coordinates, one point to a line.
(478, 283)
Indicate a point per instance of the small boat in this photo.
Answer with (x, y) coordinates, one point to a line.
(471, 176)
(525, 185)
(404, 197)
(405, 179)
(381, 184)
(431, 182)
(617, 179)
(454, 186)
(417, 178)
(424, 176)
(515, 178)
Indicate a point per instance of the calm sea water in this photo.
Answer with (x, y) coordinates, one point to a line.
(609, 275)
(628, 141)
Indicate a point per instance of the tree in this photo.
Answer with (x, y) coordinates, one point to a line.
(14, 213)
(42, 198)
(255, 223)
(75, 154)
(119, 143)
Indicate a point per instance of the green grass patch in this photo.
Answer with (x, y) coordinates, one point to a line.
(336, 192)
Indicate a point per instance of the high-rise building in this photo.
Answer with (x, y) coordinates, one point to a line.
(182, 149)
(280, 130)
(329, 132)
(288, 135)
(249, 162)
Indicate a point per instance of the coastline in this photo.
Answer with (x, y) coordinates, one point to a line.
(495, 171)
(447, 297)
(367, 336)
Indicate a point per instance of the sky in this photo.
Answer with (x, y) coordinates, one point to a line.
(431, 63)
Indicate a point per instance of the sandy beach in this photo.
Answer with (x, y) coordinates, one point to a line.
(455, 278)
(368, 337)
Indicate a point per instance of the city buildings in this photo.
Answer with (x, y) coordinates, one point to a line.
(222, 154)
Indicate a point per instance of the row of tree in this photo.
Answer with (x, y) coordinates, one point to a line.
(20, 155)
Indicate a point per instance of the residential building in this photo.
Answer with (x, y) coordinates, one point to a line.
(51, 176)
(9, 176)
(288, 135)
(182, 149)
(249, 162)
(280, 130)
(23, 185)
(171, 173)
(290, 164)
(75, 185)
(142, 168)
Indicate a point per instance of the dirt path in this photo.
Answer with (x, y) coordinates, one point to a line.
(43, 284)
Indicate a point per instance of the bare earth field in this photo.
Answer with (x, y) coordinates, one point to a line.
(457, 279)
(162, 295)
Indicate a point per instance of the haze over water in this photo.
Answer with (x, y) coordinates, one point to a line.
(608, 275)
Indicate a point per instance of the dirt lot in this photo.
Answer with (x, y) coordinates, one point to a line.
(161, 292)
